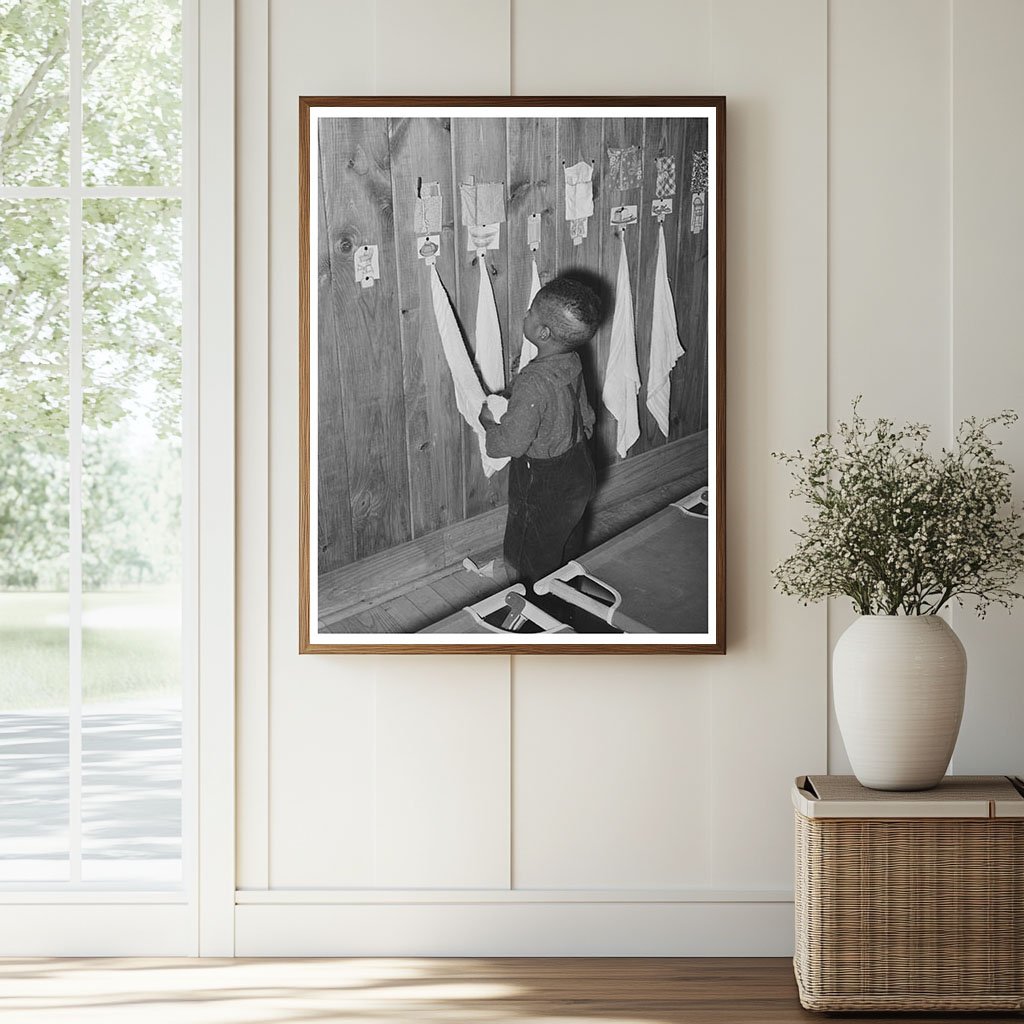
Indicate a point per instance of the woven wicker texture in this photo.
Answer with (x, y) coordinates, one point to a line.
(960, 787)
(913, 914)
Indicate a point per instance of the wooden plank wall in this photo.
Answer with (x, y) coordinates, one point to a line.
(396, 462)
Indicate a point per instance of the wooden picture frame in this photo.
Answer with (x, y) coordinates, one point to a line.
(401, 507)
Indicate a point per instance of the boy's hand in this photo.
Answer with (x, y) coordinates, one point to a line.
(486, 417)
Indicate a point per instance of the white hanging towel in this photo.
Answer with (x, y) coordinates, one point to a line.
(489, 360)
(529, 350)
(665, 347)
(469, 395)
(622, 375)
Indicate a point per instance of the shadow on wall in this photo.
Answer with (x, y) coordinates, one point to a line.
(605, 291)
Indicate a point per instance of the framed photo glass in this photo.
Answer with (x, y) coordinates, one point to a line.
(512, 373)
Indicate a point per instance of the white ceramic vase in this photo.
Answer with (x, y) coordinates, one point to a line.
(898, 684)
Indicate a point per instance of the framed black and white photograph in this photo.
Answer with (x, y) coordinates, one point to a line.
(512, 380)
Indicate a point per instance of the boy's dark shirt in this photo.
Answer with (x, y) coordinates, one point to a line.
(538, 422)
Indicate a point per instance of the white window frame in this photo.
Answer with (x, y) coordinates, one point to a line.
(216, 392)
(197, 918)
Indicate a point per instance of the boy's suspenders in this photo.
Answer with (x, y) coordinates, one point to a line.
(577, 415)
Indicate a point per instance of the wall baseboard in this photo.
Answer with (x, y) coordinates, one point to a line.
(98, 928)
(346, 897)
(516, 929)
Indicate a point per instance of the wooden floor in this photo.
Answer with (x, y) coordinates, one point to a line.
(414, 991)
(433, 599)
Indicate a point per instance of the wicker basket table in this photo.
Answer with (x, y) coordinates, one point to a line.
(910, 901)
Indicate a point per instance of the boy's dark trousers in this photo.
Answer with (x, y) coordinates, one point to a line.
(546, 502)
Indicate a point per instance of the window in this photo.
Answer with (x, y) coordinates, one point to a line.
(95, 463)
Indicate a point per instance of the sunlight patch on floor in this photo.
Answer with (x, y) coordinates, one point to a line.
(300, 991)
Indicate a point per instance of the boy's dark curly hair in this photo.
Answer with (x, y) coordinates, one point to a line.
(576, 309)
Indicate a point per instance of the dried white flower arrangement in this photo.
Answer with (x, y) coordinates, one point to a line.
(900, 530)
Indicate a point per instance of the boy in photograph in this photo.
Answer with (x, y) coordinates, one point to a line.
(546, 431)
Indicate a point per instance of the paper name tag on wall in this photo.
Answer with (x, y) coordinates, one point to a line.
(428, 247)
(623, 215)
(699, 188)
(427, 215)
(533, 232)
(483, 236)
(661, 208)
(697, 205)
(366, 265)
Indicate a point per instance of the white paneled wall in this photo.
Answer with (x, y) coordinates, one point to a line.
(318, 819)
(612, 775)
(252, 467)
(889, 241)
(768, 693)
(579, 48)
(925, 218)
(443, 47)
(442, 798)
(634, 804)
(341, 742)
(889, 208)
(987, 355)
